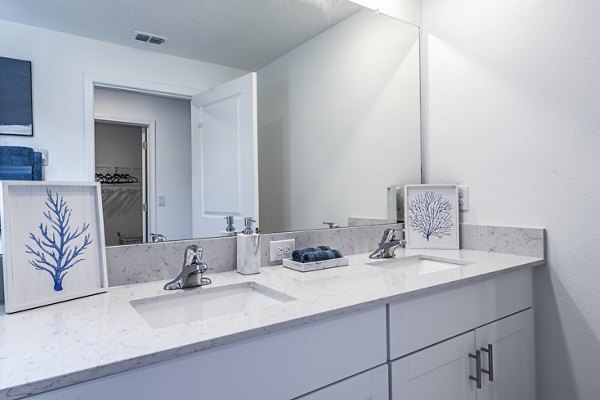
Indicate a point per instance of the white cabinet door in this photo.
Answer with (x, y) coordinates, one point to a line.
(224, 160)
(440, 372)
(508, 344)
(370, 385)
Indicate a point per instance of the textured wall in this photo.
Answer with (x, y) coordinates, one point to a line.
(512, 109)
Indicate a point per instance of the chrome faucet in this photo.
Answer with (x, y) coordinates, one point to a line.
(157, 237)
(192, 271)
(388, 244)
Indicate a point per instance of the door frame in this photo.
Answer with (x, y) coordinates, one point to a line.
(91, 81)
(150, 169)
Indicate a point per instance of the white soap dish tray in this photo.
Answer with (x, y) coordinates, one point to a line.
(316, 265)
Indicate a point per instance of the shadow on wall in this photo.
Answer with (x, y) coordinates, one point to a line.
(554, 359)
(273, 173)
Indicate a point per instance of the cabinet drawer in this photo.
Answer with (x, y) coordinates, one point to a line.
(281, 365)
(431, 318)
(370, 385)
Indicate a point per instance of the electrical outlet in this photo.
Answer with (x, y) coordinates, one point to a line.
(280, 249)
(463, 197)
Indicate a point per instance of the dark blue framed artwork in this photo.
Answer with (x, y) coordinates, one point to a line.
(16, 116)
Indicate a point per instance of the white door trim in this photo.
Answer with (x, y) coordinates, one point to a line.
(151, 161)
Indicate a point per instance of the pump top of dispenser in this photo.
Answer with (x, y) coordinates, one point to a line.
(248, 226)
(229, 222)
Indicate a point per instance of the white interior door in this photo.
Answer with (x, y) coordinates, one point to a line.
(224, 155)
(440, 372)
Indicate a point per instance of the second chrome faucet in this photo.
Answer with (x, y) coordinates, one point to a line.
(389, 243)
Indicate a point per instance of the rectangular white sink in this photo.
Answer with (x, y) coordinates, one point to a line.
(205, 303)
(423, 264)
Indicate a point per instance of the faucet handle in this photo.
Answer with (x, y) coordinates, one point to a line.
(193, 255)
(389, 234)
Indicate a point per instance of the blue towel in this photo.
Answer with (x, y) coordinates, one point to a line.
(13, 173)
(321, 255)
(37, 166)
(297, 254)
(20, 163)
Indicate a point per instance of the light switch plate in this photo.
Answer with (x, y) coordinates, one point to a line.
(162, 200)
(280, 249)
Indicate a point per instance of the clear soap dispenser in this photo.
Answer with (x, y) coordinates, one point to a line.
(248, 249)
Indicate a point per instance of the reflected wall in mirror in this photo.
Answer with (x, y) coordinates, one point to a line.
(339, 122)
(334, 116)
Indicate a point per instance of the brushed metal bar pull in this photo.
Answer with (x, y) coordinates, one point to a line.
(490, 353)
(477, 377)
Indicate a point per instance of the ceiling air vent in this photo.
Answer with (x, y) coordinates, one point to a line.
(149, 38)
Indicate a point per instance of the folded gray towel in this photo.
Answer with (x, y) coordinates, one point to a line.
(320, 255)
(297, 254)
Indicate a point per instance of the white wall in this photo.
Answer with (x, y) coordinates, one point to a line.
(58, 63)
(513, 110)
(172, 149)
(330, 113)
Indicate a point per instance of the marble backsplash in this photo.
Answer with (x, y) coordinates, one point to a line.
(349, 240)
(159, 261)
(528, 242)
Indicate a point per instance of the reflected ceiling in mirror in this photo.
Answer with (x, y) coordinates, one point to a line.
(337, 99)
(235, 33)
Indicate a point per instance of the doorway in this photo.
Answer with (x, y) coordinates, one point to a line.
(122, 169)
(181, 161)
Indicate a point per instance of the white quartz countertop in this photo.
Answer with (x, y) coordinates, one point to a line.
(78, 340)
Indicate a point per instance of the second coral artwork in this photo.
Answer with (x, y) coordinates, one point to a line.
(53, 242)
(431, 213)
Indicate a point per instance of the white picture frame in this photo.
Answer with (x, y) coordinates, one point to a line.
(52, 236)
(427, 230)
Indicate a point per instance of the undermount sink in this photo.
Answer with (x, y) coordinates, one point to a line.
(205, 303)
(423, 264)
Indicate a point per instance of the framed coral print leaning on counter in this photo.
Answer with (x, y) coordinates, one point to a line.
(53, 242)
(431, 216)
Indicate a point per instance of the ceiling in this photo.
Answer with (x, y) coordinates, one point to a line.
(246, 34)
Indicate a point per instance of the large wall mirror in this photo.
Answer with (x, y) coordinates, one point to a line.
(314, 115)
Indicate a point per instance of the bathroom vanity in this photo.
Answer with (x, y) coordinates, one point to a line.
(427, 323)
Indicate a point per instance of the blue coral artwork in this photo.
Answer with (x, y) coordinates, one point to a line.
(57, 246)
(430, 215)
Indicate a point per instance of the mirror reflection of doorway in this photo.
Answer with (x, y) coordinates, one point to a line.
(121, 167)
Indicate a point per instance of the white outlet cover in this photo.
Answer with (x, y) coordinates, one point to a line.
(45, 156)
(280, 249)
